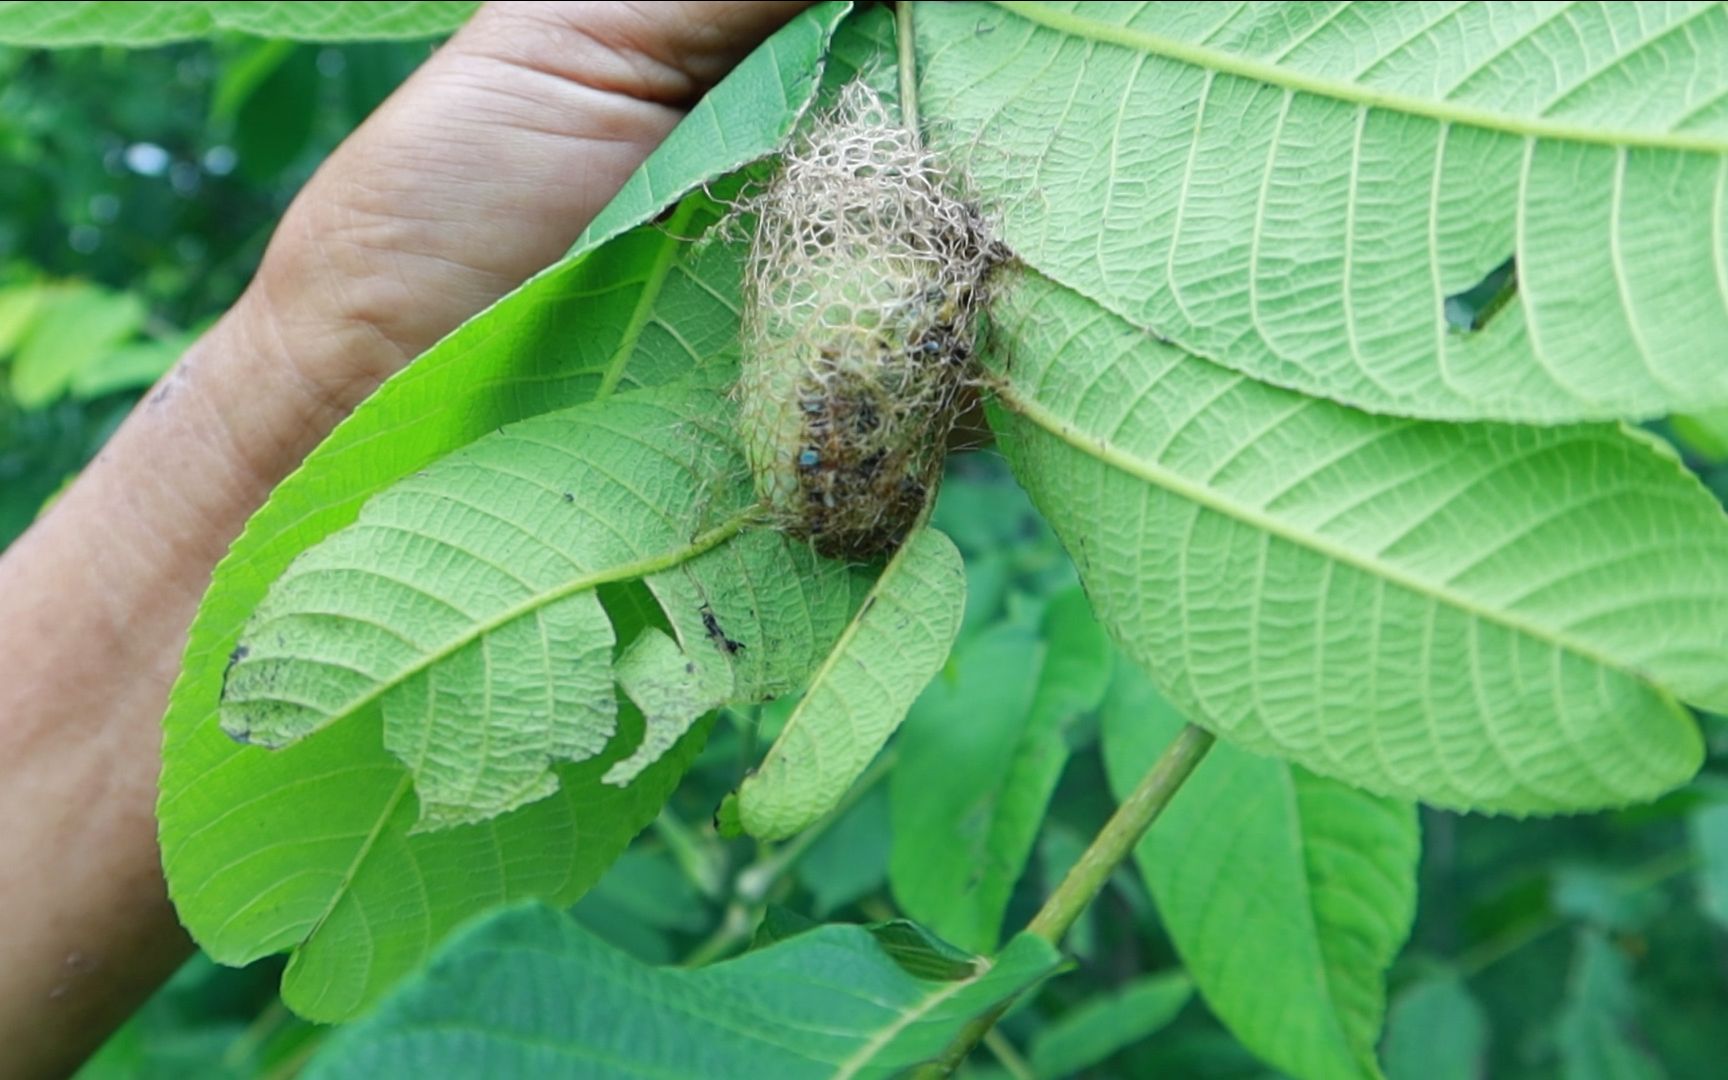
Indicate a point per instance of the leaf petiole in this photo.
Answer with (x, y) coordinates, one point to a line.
(1113, 844)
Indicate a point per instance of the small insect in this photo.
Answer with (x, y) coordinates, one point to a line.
(717, 635)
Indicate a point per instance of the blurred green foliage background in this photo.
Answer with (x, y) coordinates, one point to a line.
(137, 192)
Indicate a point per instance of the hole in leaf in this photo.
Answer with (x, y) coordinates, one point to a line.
(1470, 310)
(632, 608)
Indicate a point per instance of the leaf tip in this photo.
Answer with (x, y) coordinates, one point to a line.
(728, 819)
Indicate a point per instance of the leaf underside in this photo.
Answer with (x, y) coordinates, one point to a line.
(463, 600)
(1478, 616)
(308, 848)
(1301, 192)
(895, 644)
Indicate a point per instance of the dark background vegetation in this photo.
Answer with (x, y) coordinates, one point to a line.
(137, 190)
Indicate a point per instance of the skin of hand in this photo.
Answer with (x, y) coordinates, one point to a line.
(480, 170)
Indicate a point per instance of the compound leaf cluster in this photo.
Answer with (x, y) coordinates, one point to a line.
(1312, 329)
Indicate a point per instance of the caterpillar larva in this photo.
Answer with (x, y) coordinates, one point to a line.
(862, 295)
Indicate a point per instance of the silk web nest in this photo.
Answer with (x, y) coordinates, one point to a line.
(863, 291)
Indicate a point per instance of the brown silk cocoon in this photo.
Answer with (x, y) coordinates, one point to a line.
(862, 297)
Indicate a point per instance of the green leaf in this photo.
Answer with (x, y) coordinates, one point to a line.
(956, 750)
(1478, 616)
(896, 643)
(463, 602)
(130, 367)
(37, 24)
(673, 689)
(309, 849)
(1437, 1031)
(922, 954)
(1309, 193)
(527, 993)
(1287, 895)
(979, 760)
(460, 610)
(251, 869)
(1106, 1023)
(18, 305)
(1597, 1030)
(779, 923)
(850, 859)
(1708, 826)
(746, 118)
(73, 327)
(1704, 433)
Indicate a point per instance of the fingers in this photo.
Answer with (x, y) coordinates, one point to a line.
(481, 170)
(663, 52)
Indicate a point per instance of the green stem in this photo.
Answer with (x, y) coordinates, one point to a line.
(1086, 878)
(1009, 1058)
(700, 864)
(752, 885)
(272, 1018)
(908, 65)
(671, 238)
(734, 930)
(754, 882)
(1120, 834)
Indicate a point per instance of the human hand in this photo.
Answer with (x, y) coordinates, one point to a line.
(480, 170)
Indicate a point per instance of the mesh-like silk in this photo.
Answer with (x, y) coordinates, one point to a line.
(862, 294)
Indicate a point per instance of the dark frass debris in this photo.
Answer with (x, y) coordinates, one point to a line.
(862, 298)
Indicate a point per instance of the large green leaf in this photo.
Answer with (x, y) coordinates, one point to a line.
(308, 847)
(896, 643)
(979, 761)
(464, 602)
(1287, 895)
(39, 24)
(1479, 616)
(1308, 193)
(528, 993)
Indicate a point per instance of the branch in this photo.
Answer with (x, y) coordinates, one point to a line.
(1086, 878)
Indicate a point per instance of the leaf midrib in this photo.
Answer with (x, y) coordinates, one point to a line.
(1292, 800)
(628, 571)
(670, 241)
(352, 871)
(885, 1037)
(1106, 452)
(1278, 75)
